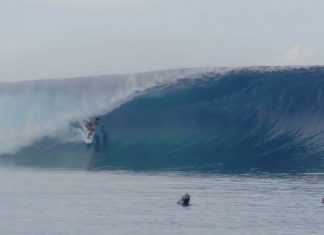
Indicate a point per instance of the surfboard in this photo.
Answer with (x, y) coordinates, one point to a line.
(90, 139)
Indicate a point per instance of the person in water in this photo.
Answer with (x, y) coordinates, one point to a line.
(91, 126)
(323, 200)
(185, 200)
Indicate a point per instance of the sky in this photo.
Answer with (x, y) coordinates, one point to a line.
(42, 39)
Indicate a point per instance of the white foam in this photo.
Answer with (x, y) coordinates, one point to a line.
(32, 110)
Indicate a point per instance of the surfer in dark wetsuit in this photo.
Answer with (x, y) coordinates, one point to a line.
(185, 200)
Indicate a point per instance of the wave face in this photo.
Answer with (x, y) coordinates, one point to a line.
(33, 110)
(241, 120)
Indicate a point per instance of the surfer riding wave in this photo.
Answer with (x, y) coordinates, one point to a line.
(91, 126)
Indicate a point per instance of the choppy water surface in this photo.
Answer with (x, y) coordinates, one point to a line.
(113, 202)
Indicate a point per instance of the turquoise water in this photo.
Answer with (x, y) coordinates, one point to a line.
(40, 201)
(258, 119)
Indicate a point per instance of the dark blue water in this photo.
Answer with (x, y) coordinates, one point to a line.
(248, 120)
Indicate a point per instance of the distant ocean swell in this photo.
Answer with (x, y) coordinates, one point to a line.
(240, 120)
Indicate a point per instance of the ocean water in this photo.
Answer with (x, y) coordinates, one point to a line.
(246, 143)
(54, 201)
(258, 119)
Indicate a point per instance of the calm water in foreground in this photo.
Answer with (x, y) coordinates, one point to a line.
(116, 202)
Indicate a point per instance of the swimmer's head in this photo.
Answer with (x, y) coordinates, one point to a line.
(186, 197)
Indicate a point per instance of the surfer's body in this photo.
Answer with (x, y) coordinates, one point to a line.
(91, 126)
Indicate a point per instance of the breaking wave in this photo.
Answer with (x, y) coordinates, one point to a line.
(226, 120)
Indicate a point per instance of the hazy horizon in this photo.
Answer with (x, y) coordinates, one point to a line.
(74, 38)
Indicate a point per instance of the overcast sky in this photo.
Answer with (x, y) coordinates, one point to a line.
(69, 38)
